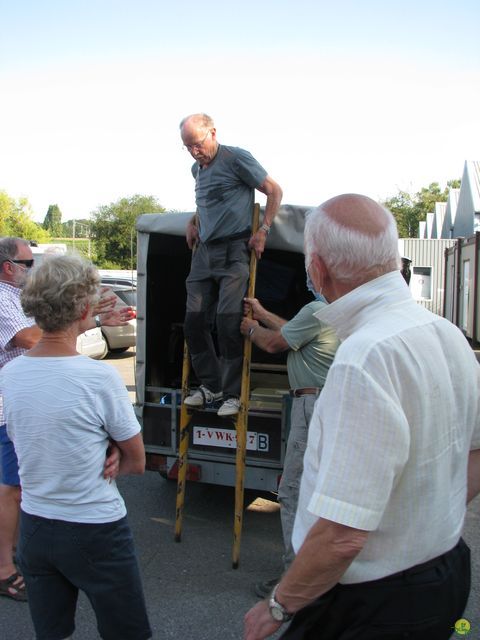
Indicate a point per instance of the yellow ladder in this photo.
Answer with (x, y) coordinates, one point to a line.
(241, 426)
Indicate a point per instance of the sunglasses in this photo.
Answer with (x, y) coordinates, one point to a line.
(27, 263)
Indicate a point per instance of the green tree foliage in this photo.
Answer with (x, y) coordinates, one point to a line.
(16, 220)
(53, 220)
(82, 246)
(403, 208)
(78, 228)
(113, 230)
(409, 209)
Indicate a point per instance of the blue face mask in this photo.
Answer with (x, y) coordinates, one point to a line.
(310, 287)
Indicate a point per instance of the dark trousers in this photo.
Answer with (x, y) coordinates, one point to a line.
(59, 558)
(422, 602)
(216, 286)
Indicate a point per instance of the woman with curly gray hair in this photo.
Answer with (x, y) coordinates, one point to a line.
(63, 410)
(59, 292)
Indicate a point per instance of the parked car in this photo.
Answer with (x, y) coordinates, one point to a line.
(120, 339)
(119, 276)
(96, 343)
(91, 343)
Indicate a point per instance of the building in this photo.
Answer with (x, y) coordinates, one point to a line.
(445, 256)
(427, 269)
(454, 229)
(459, 217)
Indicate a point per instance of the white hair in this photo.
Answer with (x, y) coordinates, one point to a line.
(348, 253)
(202, 120)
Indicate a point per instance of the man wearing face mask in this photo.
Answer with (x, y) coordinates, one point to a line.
(18, 334)
(389, 468)
(311, 346)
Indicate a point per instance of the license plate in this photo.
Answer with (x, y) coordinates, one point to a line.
(228, 438)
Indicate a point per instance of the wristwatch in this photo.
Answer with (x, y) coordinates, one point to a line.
(265, 227)
(277, 610)
(98, 322)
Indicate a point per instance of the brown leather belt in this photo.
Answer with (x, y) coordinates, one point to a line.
(306, 391)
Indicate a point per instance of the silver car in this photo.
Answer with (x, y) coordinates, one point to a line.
(120, 339)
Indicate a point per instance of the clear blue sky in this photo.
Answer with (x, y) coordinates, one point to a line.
(330, 97)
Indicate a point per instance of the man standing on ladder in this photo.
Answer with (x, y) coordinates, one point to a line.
(225, 182)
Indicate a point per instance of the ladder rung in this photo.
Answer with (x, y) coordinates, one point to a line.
(259, 366)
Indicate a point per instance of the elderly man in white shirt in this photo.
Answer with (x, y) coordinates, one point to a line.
(393, 453)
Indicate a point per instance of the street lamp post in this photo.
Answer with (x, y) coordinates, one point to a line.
(87, 235)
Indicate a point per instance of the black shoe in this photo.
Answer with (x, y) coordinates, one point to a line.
(264, 589)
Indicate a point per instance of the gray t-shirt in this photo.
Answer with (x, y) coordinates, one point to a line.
(224, 192)
(312, 347)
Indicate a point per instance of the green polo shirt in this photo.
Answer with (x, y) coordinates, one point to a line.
(312, 347)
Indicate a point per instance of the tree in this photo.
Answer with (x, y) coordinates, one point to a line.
(16, 219)
(113, 230)
(78, 228)
(403, 209)
(53, 221)
(408, 210)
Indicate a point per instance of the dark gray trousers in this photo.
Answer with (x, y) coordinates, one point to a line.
(216, 286)
(289, 487)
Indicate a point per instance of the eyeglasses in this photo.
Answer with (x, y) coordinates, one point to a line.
(197, 145)
(26, 263)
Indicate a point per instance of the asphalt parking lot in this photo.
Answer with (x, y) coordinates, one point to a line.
(192, 592)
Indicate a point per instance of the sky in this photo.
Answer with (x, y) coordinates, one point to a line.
(330, 97)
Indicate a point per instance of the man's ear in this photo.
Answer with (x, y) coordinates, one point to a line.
(7, 267)
(86, 312)
(318, 272)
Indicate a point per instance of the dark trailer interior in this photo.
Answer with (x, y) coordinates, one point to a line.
(163, 266)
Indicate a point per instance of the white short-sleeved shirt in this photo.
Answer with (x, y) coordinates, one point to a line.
(12, 320)
(60, 413)
(391, 432)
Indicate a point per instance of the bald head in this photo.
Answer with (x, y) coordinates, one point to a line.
(355, 237)
(357, 213)
(197, 121)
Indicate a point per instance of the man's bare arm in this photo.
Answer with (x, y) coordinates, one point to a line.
(327, 552)
(192, 233)
(274, 194)
(473, 481)
(27, 338)
(268, 340)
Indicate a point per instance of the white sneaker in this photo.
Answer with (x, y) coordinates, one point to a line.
(230, 407)
(201, 397)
